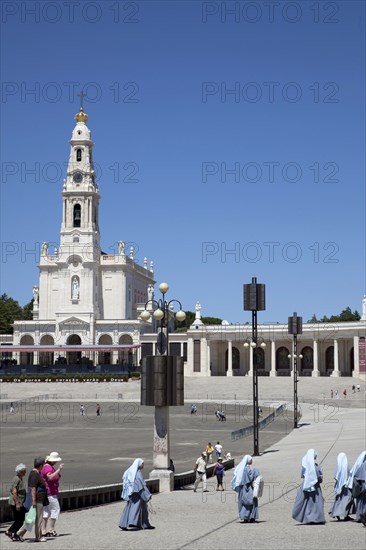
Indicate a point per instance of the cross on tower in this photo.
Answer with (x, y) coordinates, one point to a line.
(82, 95)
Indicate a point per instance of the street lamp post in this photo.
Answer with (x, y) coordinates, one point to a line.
(295, 328)
(162, 386)
(254, 301)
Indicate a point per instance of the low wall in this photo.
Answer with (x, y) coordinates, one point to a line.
(244, 432)
(75, 499)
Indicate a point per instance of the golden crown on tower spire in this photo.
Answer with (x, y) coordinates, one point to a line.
(81, 116)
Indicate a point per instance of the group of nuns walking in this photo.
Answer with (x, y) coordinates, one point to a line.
(350, 492)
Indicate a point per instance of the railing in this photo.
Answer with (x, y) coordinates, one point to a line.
(244, 432)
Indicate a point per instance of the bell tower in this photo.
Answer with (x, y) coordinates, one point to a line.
(70, 280)
(80, 195)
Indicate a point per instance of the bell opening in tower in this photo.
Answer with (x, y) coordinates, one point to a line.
(77, 215)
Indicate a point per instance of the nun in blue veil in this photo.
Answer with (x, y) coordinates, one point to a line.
(242, 483)
(343, 504)
(357, 484)
(309, 504)
(135, 515)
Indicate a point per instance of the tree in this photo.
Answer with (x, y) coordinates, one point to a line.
(189, 320)
(345, 316)
(10, 311)
(27, 311)
(211, 321)
(185, 325)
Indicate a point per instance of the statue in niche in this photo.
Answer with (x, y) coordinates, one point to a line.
(75, 289)
(44, 249)
(121, 247)
(35, 295)
(150, 292)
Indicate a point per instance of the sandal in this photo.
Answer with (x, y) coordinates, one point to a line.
(51, 534)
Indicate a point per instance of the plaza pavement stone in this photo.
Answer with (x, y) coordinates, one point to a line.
(187, 520)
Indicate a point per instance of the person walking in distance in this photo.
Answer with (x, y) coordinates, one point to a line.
(218, 449)
(219, 469)
(209, 451)
(200, 469)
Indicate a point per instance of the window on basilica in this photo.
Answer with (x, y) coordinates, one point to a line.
(77, 215)
(78, 155)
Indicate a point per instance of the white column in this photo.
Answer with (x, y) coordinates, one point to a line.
(229, 358)
(273, 359)
(315, 359)
(139, 355)
(356, 356)
(336, 372)
(208, 371)
(190, 357)
(203, 356)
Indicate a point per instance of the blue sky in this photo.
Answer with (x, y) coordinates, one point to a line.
(228, 145)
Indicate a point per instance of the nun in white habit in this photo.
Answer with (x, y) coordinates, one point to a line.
(242, 483)
(135, 515)
(357, 484)
(309, 505)
(343, 503)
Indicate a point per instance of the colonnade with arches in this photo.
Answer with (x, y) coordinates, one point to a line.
(229, 357)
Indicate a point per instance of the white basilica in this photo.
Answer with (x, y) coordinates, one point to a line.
(86, 297)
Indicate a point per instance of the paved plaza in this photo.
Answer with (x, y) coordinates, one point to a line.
(184, 519)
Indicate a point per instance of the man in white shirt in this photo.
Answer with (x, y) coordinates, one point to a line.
(218, 449)
(200, 469)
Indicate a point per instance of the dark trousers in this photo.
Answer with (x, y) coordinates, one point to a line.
(219, 479)
(18, 519)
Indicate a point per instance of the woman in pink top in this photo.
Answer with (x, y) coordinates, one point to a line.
(51, 475)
